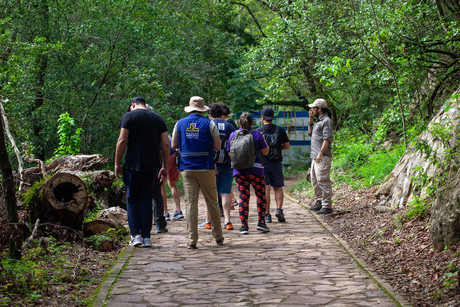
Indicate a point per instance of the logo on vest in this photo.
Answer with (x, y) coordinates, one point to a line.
(192, 132)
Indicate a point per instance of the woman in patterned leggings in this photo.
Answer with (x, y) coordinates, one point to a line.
(251, 176)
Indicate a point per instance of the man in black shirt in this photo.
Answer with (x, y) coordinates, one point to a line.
(277, 140)
(143, 134)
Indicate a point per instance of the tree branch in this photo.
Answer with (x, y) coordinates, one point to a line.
(252, 15)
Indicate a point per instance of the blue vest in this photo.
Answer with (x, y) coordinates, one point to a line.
(196, 144)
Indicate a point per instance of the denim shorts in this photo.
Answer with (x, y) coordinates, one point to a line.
(274, 174)
(224, 180)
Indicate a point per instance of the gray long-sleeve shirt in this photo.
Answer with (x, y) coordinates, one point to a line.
(322, 130)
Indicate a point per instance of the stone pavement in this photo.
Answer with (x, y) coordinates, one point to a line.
(298, 263)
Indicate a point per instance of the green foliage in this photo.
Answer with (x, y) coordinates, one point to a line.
(113, 235)
(69, 141)
(359, 162)
(41, 267)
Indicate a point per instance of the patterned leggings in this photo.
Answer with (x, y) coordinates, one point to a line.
(243, 183)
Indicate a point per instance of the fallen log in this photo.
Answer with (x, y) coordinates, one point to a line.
(62, 199)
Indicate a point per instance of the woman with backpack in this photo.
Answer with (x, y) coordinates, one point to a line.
(244, 146)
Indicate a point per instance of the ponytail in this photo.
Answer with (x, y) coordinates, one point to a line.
(246, 120)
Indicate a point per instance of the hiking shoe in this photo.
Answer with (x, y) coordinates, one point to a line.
(244, 230)
(203, 224)
(177, 215)
(191, 246)
(161, 229)
(220, 241)
(167, 218)
(207, 226)
(279, 214)
(325, 211)
(147, 242)
(316, 207)
(229, 226)
(263, 227)
(268, 218)
(137, 241)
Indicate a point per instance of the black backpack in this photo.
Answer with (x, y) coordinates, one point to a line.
(221, 156)
(272, 139)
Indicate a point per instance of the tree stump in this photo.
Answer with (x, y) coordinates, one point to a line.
(62, 199)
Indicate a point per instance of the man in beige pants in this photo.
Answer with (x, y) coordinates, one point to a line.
(320, 130)
(197, 137)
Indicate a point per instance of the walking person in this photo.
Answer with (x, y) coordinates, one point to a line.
(173, 178)
(224, 176)
(251, 175)
(143, 134)
(277, 140)
(197, 137)
(320, 130)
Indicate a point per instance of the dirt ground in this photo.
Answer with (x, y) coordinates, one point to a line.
(400, 252)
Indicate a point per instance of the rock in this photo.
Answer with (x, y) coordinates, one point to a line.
(383, 208)
(445, 215)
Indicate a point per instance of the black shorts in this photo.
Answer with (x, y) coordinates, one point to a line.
(274, 174)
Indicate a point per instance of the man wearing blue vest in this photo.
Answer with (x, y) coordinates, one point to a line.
(197, 137)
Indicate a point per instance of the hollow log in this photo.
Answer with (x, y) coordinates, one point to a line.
(62, 199)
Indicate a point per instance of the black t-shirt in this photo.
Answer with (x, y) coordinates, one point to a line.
(282, 138)
(232, 122)
(144, 141)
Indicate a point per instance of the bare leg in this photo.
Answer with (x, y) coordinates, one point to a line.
(163, 194)
(175, 193)
(279, 197)
(226, 202)
(268, 200)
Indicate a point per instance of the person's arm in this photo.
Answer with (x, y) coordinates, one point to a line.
(324, 146)
(265, 150)
(215, 135)
(163, 174)
(120, 150)
(175, 138)
(285, 145)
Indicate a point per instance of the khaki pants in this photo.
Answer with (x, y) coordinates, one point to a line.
(193, 181)
(321, 181)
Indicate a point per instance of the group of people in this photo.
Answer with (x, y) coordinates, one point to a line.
(203, 148)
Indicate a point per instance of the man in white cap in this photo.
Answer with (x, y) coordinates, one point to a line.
(197, 137)
(320, 130)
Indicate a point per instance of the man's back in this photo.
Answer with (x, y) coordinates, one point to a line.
(275, 136)
(143, 149)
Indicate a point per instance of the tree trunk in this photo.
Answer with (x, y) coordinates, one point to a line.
(9, 192)
(62, 199)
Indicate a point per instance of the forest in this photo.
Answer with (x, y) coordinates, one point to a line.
(68, 70)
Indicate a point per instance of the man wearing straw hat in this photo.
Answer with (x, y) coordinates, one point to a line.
(197, 137)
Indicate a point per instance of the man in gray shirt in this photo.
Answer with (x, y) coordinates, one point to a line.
(320, 131)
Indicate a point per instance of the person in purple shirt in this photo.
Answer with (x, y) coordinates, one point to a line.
(251, 176)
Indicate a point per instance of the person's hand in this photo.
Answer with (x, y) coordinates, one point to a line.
(162, 174)
(118, 171)
(319, 157)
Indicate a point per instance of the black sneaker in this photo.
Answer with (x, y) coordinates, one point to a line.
(325, 211)
(268, 218)
(161, 229)
(316, 207)
(279, 214)
(263, 227)
(244, 230)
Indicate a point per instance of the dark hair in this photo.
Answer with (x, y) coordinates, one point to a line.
(246, 120)
(225, 109)
(215, 110)
(140, 100)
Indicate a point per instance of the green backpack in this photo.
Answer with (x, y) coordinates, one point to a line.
(242, 150)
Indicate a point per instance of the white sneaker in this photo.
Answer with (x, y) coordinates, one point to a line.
(203, 224)
(147, 242)
(136, 241)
